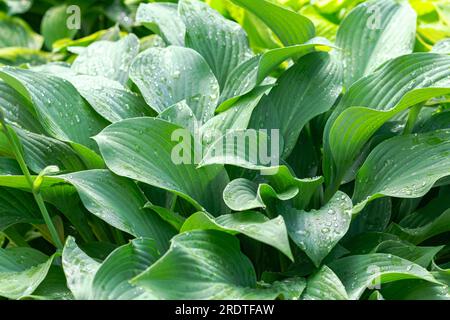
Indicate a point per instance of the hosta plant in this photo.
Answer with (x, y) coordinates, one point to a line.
(268, 150)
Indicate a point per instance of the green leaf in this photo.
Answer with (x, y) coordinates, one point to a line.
(162, 19)
(223, 43)
(119, 202)
(370, 35)
(252, 224)
(404, 167)
(398, 85)
(17, 33)
(141, 149)
(317, 232)
(304, 91)
(166, 76)
(423, 232)
(111, 282)
(374, 217)
(242, 194)
(359, 272)
(17, 207)
(247, 75)
(423, 256)
(181, 115)
(324, 285)
(442, 46)
(79, 269)
(60, 109)
(290, 27)
(21, 271)
(54, 25)
(54, 287)
(110, 99)
(206, 265)
(18, 111)
(108, 59)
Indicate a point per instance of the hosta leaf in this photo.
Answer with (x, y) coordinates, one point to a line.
(317, 232)
(54, 287)
(41, 151)
(17, 109)
(17, 207)
(223, 43)
(110, 99)
(435, 122)
(253, 224)
(120, 203)
(374, 217)
(206, 265)
(290, 27)
(442, 46)
(111, 282)
(306, 90)
(21, 271)
(415, 290)
(359, 272)
(369, 36)
(236, 117)
(166, 76)
(324, 285)
(60, 109)
(181, 115)
(162, 19)
(242, 194)
(54, 25)
(108, 59)
(401, 83)
(421, 233)
(17, 7)
(404, 167)
(141, 149)
(17, 33)
(423, 256)
(247, 75)
(79, 268)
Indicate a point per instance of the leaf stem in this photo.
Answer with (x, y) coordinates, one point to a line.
(14, 143)
(412, 118)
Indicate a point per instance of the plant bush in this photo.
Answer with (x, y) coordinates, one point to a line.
(132, 141)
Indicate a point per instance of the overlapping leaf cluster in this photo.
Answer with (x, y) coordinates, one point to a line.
(93, 205)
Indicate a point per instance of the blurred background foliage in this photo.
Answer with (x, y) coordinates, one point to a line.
(36, 31)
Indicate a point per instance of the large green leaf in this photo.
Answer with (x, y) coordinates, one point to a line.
(398, 85)
(79, 268)
(223, 43)
(370, 35)
(110, 98)
(404, 167)
(111, 281)
(290, 27)
(142, 149)
(253, 224)
(108, 59)
(17, 109)
(317, 232)
(420, 233)
(206, 265)
(324, 285)
(166, 76)
(306, 90)
(54, 25)
(21, 271)
(17, 207)
(247, 75)
(17, 33)
(359, 272)
(61, 110)
(119, 202)
(162, 19)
